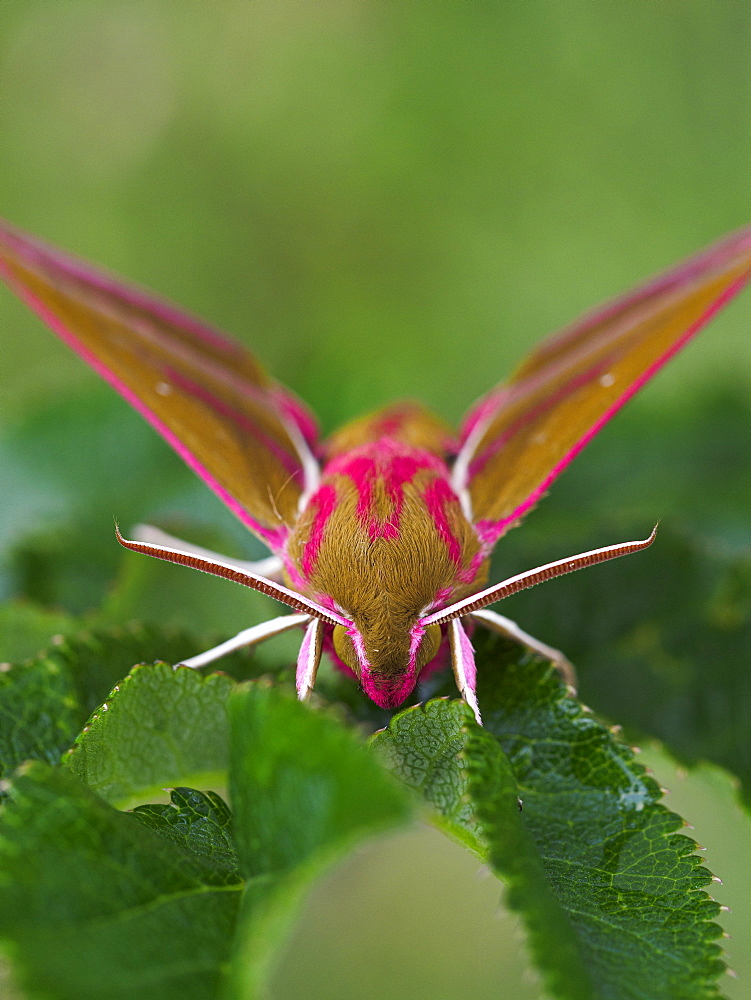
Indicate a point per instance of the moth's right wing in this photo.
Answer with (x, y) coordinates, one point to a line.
(245, 435)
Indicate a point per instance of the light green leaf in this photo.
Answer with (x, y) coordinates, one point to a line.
(460, 769)
(159, 728)
(45, 701)
(39, 713)
(425, 746)
(303, 789)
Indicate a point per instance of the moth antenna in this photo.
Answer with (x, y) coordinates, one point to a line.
(270, 567)
(229, 571)
(534, 576)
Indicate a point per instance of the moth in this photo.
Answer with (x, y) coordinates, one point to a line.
(380, 536)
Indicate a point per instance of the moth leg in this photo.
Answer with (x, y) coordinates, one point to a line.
(248, 637)
(463, 664)
(270, 567)
(504, 626)
(309, 658)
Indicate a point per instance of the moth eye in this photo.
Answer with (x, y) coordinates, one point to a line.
(345, 649)
(429, 645)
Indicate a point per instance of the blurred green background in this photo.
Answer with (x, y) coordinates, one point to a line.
(388, 200)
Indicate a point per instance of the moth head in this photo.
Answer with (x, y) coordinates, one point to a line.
(387, 671)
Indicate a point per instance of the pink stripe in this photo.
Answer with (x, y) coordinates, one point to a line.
(393, 693)
(718, 256)
(241, 420)
(308, 658)
(492, 530)
(467, 575)
(484, 410)
(530, 416)
(273, 537)
(467, 665)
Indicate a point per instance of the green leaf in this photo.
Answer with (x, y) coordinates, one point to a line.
(160, 727)
(708, 796)
(303, 789)
(612, 895)
(462, 772)
(201, 823)
(425, 746)
(45, 701)
(96, 905)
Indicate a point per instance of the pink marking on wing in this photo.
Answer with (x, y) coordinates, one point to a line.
(275, 538)
(41, 254)
(492, 530)
(324, 503)
(238, 418)
(484, 411)
(500, 442)
(489, 531)
(296, 411)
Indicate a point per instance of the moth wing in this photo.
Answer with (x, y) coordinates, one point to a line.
(245, 435)
(522, 435)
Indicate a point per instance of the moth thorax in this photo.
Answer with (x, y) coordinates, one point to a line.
(426, 651)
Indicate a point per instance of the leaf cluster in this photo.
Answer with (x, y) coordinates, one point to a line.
(192, 897)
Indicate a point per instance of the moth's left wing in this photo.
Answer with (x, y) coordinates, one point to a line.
(522, 435)
(244, 434)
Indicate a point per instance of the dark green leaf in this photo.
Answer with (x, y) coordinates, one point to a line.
(463, 773)
(39, 713)
(303, 790)
(612, 894)
(97, 905)
(160, 727)
(201, 823)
